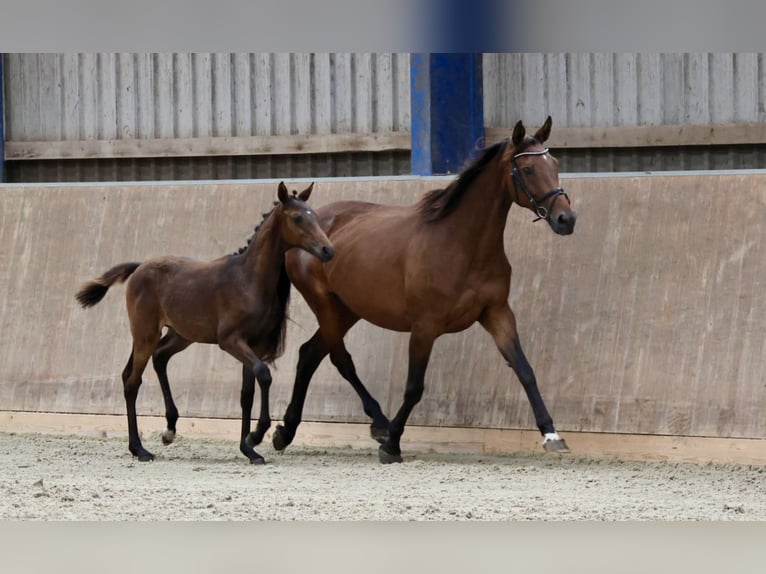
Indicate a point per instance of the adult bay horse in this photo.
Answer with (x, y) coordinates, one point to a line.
(238, 302)
(433, 267)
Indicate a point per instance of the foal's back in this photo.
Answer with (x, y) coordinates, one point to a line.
(177, 292)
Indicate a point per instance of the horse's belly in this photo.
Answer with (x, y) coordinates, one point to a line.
(378, 308)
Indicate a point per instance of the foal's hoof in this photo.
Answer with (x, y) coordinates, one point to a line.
(168, 436)
(257, 459)
(280, 440)
(144, 456)
(555, 445)
(379, 434)
(387, 457)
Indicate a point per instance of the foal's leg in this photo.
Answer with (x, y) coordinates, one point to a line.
(253, 368)
(421, 344)
(264, 419)
(335, 320)
(131, 380)
(500, 322)
(168, 346)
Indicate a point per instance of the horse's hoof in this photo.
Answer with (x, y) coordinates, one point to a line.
(280, 439)
(168, 436)
(556, 445)
(379, 434)
(145, 456)
(257, 460)
(387, 457)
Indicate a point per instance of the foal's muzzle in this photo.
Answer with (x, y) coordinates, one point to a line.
(326, 252)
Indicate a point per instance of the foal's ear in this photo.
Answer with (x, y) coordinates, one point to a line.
(545, 131)
(282, 192)
(306, 193)
(519, 131)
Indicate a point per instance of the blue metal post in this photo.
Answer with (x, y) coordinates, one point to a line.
(447, 111)
(2, 127)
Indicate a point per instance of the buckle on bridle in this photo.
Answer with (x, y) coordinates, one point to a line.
(541, 211)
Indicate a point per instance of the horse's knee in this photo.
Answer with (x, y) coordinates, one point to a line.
(130, 386)
(307, 353)
(262, 374)
(413, 393)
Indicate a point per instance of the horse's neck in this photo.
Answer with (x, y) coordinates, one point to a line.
(264, 257)
(482, 214)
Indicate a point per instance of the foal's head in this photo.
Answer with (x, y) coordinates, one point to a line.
(299, 226)
(535, 179)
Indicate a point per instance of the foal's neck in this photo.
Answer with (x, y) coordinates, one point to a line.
(264, 257)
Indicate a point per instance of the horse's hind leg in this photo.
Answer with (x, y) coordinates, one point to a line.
(334, 324)
(131, 380)
(310, 355)
(342, 360)
(171, 344)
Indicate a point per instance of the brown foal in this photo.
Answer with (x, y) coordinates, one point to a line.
(238, 302)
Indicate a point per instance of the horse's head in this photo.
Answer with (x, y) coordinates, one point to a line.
(300, 226)
(535, 179)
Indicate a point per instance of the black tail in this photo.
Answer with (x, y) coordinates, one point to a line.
(93, 291)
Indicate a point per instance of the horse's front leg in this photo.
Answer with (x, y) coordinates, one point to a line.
(421, 344)
(253, 369)
(264, 419)
(500, 322)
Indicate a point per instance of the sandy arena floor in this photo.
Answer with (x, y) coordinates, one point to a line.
(45, 477)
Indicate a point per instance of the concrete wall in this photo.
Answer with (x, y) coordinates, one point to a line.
(649, 319)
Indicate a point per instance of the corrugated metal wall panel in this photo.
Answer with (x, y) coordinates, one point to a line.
(55, 97)
(60, 97)
(214, 167)
(624, 89)
(597, 90)
(64, 97)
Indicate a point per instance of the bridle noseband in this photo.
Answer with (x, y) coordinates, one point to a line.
(541, 211)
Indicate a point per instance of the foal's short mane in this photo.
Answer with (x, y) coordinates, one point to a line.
(274, 336)
(439, 203)
(241, 250)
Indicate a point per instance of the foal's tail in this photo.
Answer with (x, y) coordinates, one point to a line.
(93, 291)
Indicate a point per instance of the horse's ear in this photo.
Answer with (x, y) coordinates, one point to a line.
(545, 131)
(306, 193)
(282, 193)
(518, 133)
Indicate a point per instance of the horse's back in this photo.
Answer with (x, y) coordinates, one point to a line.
(172, 289)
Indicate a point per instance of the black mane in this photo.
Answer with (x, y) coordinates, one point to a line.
(241, 250)
(438, 203)
(274, 334)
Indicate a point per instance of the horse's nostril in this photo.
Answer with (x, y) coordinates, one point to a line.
(566, 221)
(328, 252)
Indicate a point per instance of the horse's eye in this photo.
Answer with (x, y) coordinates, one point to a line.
(298, 219)
(528, 170)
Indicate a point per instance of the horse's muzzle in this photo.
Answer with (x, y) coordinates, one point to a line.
(326, 252)
(564, 223)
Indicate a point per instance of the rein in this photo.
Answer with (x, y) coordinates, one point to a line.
(541, 211)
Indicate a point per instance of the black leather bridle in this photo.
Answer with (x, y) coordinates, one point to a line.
(541, 211)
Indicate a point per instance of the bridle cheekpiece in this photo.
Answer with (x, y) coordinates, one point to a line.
(541, 211)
